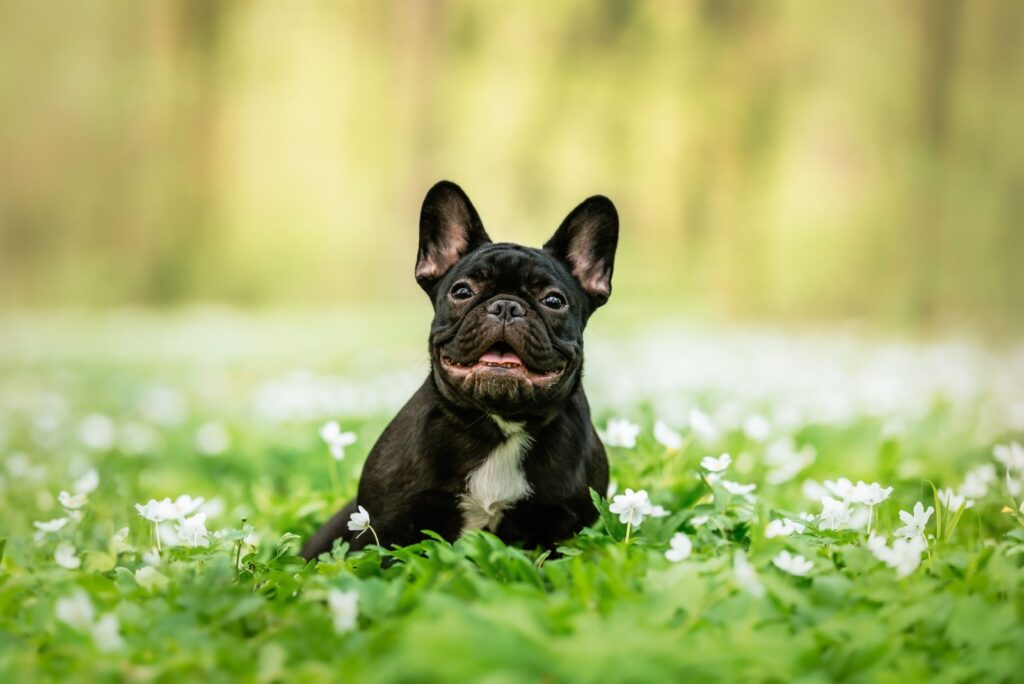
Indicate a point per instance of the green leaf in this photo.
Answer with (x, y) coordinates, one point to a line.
(99, 561)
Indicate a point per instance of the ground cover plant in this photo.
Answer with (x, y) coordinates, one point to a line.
(783, 508)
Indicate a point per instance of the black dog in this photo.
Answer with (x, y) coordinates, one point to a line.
(499, 436)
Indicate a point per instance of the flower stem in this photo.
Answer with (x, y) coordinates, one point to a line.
(629, 526)
(333, 474)
(156, 536)
(376, 539)
(673, 456)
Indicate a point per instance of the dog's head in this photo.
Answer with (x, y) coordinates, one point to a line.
(507, 335)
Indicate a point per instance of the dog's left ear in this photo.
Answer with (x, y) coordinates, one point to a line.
(450, 229)
(585, 242)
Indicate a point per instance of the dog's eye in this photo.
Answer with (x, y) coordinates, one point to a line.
(553, 300)
(461, 291)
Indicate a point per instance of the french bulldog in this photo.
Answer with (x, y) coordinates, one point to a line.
(499, 435)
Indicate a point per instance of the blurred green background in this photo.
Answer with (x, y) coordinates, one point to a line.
(784, 160)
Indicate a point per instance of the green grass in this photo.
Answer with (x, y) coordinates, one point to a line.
(600, 610)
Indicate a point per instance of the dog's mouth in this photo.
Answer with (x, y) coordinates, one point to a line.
(500, 360)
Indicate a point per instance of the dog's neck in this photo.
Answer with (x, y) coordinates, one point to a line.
(506, 422)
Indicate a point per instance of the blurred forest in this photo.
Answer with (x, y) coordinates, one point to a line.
(783, 160)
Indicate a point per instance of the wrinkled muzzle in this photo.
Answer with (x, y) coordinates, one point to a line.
(501, 356)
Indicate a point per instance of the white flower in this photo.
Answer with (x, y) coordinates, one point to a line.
(187, 505)
(702, 426)
(335, 439)
(699, 521)
(65, 556)
(783, 474)
(785, 461)
(782, 527)
(976, 481)
(344, 606)
(51, 525)
(157, 511)
(613, 487)
(658, 511)
(794, 565)
(252, 539)
(359, 521)
(96, 432)
(106, 633)
(621, 432)
(813, 490)
(72, 502)
(192, 531)
(878, 547)
(167, 534)
(835, 514)
(716, 465)
(914, 524)
(151, 579)
(757, 428)
(904, 556)
(666, 436)
(75, 611)
(745, 575)
(953, 501)
(631, 506)
(151, 558)
(118, 543)
(88, 483)
(859, 517)
(737, 488)
(842, 488)
(869, 494)
(680, 548)
(212, 439)
(1011, 456)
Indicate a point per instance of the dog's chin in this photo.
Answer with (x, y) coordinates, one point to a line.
(500, 382)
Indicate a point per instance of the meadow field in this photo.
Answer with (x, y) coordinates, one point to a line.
(810, 378)
(781, 562)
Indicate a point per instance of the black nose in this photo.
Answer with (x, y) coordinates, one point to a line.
(506, 309)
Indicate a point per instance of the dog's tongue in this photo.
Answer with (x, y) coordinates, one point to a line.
(499, 356)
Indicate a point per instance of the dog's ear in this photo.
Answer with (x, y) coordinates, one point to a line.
(585, 242)
(449, 230)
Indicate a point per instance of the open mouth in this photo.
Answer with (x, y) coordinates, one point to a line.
(499, 359)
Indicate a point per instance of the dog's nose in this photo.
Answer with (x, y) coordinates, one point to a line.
(506, 309)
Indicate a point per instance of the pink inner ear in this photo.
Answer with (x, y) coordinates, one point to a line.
(439, 258)
(592, 275)
(597, 285)
(426, 271)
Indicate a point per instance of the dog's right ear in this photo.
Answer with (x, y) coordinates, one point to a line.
(585, 243)
(449, 230)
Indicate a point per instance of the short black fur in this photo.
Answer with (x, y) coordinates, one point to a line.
(493, 301)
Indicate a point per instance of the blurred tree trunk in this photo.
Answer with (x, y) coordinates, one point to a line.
(420, 42)
(929, 259)
(192, 40)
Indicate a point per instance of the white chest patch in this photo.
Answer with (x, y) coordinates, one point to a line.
(498, 482)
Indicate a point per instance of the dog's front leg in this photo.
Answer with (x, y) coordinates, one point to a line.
(402, 521)
(335, 528)
(539, 524)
